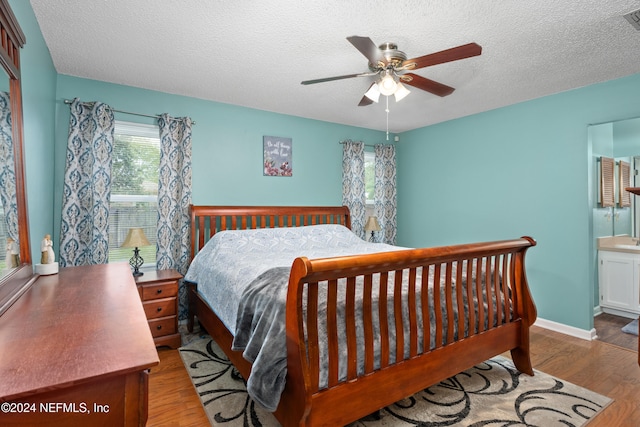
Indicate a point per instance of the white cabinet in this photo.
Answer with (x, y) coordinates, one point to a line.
(619, 279)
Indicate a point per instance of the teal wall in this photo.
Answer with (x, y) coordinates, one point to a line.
(519, 170)
(38, 100)
(227, 146)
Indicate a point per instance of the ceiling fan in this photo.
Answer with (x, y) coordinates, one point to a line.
(393, 68)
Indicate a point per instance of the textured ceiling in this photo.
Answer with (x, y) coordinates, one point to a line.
(255, 54)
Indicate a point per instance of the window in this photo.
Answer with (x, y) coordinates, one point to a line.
(369, 175)
(369, 181)
(134, 188)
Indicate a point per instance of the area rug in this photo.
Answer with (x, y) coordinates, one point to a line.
(491, 394)
(631, 327)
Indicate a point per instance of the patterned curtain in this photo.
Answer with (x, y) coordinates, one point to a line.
(84, 232)
(7, 170)
(353, 184)
(385, 192)
(174, 198)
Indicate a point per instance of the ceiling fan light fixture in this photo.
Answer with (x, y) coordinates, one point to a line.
(387, 85)
(373, 93)
(401, 92)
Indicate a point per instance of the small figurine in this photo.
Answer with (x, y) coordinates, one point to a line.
(48, 264)
(12, 259)
(46, 247)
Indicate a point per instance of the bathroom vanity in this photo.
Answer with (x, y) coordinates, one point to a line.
(619, 275)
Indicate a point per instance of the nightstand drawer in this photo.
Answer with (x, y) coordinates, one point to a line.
(163, 326)
(160, 308)
(159, 290)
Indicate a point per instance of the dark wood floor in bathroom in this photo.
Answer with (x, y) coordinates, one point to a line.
(608, 330)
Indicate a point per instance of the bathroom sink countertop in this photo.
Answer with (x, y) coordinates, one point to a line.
(619, 244)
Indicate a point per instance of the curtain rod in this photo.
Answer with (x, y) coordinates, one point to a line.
(156, 116)
(366, 145)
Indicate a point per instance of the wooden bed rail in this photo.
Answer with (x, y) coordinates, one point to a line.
(365, 288)
(207, 220)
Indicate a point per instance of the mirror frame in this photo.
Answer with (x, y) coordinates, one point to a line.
(17, 281)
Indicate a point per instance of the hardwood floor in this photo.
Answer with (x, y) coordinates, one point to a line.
(608, 328)
(173, 401)
(604, 368)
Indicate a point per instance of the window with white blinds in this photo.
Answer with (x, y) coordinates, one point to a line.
(369, 175)
(134, 188)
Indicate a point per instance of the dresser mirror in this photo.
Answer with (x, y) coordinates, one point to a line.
(16, 268)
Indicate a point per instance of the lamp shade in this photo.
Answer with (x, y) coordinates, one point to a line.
(401, 92)
(373, 93)
(372, 224)
(135, 239)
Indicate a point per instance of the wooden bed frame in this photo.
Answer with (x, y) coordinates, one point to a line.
(344, 401)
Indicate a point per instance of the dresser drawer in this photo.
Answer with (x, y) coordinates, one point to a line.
(159, 290)
(163, 326)
(160, 308)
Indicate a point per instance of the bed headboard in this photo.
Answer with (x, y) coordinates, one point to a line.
(207, 220)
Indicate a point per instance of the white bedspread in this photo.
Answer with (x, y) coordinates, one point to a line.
(234, 258)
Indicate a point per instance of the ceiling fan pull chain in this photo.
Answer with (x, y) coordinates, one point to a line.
(387, 111)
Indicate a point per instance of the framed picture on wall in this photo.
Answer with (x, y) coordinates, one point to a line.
(277, 159)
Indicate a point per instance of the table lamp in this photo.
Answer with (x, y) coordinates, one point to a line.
(135, 239)
(372, 226)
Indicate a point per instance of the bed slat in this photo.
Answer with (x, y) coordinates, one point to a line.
(497, 288)
(489, 293)
(312, 334)
(367, 320)
(449, 302)
(437, 305)
(350, 318)
(471, 319)
(426, 306)
(384, 326)
(481, 313)
(413, 316)
(459, 300)
(397, 315)
(332, 331)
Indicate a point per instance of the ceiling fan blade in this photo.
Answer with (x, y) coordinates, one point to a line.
(364, 102)
(426, 84)
(329, 79)
(453, 54)
(368, 48)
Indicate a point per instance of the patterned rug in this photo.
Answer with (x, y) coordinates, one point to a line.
(491, 394)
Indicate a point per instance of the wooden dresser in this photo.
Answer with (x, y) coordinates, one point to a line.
(76, 349)
(158, 291)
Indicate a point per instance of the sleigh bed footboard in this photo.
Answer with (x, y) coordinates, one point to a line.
(366, 331)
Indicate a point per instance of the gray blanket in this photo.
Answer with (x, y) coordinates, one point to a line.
(261, 335)
(260, 330)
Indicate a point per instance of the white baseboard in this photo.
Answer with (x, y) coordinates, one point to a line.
(620, 313)
(567, 330)
(597, 311)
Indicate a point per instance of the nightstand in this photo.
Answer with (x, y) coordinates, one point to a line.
(158, 291)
